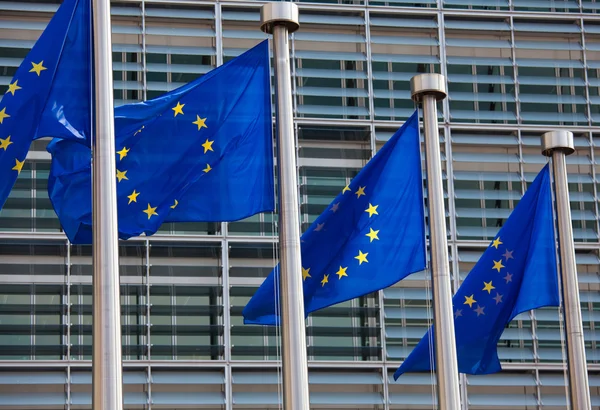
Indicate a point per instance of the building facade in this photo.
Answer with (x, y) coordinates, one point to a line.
(515, 69)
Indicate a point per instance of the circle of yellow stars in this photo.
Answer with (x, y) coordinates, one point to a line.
(489, 286)
(13, 87)
(121, 175)
(362, 256)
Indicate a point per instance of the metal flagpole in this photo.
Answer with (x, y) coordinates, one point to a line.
(559, 144)
(428, 89)
(280, 19)
(107, 376)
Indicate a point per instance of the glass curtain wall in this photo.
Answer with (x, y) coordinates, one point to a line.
(515, 69)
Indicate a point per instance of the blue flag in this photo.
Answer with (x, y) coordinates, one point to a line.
(50, 94)
(515, 274)
(371, 236)
(202, 152)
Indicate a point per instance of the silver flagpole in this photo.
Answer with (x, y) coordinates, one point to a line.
(107, 376)
(559, 144)
(428, 89)
(280, 19)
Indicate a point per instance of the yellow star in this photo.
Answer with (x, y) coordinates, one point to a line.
(175, 204)
(488, 286)
(3, 115)
(150, 211)
(207, 169)
(178, 109)
(346, 188)
(4, 143)
(325, 280)
(13, 87)
(372, 210)
(341, 272)
(121, 175)
(18, 166)
(362, 257)
(372, 234)
(133, 197)
(469, 301)
(498, 265)
(37, 68)
(305, 273)
(360, 191)
(200, 122)
(496, 243)
(123, 153)
(207, 146)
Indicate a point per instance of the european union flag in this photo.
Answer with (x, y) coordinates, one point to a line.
(515, 274)
(371, 236)
(50, 94)
(202, 152)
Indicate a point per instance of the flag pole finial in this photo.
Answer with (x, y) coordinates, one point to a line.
(559, 144)
(428, 84)
(281, 13)
(557, 141)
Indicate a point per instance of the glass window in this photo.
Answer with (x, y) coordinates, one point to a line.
(179, 45)
(186, 301)
(330, 66)
(480, 71)
(550, 73)
(514, 390)
(400, 49)
(487, 182)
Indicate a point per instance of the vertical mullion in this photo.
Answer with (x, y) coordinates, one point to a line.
(558, 86)
(173, 301)
(294, 73)
(68, 386)
(443, 63)
(219, 34)
(147, 286)
(228, 380)
(68, 301)
(226, 322)
(538, 390)
(149, 386)
(369, 63)
(32, 301)
(33, 195)
(513, 56)
(148, 324)
(68, 322)
(81, 316)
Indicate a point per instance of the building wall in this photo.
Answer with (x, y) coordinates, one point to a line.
(515, 69)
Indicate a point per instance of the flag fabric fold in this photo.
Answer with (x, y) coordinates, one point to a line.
(371, 235)
(50, 93)
(517, 273)
(202, 152)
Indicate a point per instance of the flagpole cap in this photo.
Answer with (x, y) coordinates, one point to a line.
(280, 13)
(557, 141)
(428, 84)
